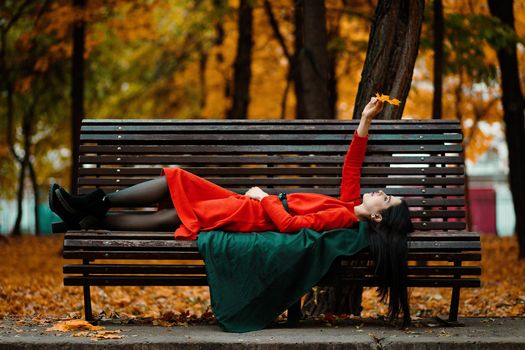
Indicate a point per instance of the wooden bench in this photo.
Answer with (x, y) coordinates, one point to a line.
(421, 161)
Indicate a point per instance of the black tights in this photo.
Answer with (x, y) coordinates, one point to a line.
(142, 194)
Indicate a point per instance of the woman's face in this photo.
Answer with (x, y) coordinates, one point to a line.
(378, 201)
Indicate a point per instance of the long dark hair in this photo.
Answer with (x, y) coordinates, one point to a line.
(389, 250)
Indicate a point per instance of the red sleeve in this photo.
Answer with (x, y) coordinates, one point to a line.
(321, 221)
(350, 182)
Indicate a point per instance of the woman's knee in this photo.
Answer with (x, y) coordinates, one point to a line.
(168, 217)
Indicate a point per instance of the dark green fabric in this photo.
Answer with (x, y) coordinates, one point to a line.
(254, 277)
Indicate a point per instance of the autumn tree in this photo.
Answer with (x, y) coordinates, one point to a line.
(313, 62)
(438, 26)
(392, 50)
(77, 88)
(243, 60)
(19, 75)
(513, 108)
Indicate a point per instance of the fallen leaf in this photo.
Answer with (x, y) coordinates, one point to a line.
(73, 325)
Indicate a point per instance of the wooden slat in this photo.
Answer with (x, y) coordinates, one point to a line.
(266, 121)
(303, 181)
(437, 213)
(334, 192)
(237, 171)
(347, 129)
(163, 255)
(136, 281)
(135, 269)
(439, 225)
(184, 244)
(202, 281)
(421, 282)
(412, 270)
(415, 214)
(144, 269)
(236, 149)
(98, 244)
(155, 255)
(416, 256)
(413, 202)
(279, 159)
(257, 138)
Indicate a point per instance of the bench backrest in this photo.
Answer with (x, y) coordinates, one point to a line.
(419, 160)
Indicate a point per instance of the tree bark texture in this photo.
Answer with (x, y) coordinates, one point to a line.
(77, 92)
(333, 32)
(439, 28)
(243, 60)
(300, 110)
(291, 64)
(314, 60)
(392, 50)
(513, 109)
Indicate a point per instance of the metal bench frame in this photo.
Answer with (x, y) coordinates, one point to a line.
(420, 160)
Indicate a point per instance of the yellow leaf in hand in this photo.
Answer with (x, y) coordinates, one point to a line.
(386, 98)
(382, 97)
(394, 102)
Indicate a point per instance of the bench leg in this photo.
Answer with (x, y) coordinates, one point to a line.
(294, 314)
(454, 305)
(88, 314)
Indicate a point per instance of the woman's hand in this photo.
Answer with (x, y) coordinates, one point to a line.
(256, 193)
(372, 108)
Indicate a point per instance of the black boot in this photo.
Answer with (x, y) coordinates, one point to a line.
(85, 211)
(71, 222)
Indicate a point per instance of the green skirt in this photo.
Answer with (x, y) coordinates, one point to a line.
(254, 277)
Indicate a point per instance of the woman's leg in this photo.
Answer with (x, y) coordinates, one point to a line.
(87, 211)
(141, 194)
(162, 220)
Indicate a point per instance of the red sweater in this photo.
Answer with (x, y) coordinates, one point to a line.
(203, 205)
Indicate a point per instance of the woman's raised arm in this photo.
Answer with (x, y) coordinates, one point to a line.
(369, 112)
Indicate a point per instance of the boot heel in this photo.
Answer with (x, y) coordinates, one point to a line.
(89, 222)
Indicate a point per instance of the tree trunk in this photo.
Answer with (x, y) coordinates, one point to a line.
(315, 74)
(36, 199)
(242, 65)
(333, 31)
(513, 109)
(203, 62)
(438, 60)
(291, 60)
(26, 130)
(77, 92)
(314, 61)
(16, 230)
(300, 110)
(392, 50)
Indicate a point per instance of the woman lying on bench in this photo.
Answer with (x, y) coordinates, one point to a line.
(188, 204)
